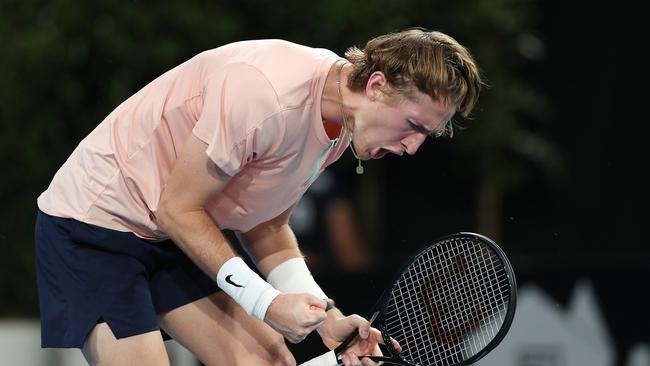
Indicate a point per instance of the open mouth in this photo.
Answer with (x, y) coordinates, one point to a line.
(378, 153)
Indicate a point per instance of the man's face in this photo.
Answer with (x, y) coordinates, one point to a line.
(397, 125)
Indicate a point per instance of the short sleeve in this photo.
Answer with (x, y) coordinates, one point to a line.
(240, 118)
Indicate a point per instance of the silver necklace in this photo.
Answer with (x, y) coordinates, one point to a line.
(345, 121)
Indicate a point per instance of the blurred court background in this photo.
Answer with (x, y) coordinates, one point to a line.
(553, 165)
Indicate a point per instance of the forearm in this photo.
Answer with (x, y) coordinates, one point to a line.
(275, 250)
(181, 213)
(271, 245)
(198, 236)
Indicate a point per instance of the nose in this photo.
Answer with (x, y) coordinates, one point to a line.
(413, 142)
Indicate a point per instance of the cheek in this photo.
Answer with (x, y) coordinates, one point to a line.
(387, 136)
(381, 126)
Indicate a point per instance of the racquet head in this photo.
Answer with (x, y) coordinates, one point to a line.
(451, 304)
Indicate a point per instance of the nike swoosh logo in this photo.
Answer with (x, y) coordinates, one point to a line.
(231, 282)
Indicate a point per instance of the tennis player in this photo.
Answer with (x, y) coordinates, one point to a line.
(128, 234)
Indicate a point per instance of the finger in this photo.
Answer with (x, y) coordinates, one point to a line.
(377, 351)
(368, 362)
(353, 360)
(346, 359)
(376, 334)
(313, 320)
(315, 302)
(313, 327)
(356, 321)
(317, 317)
(316, 308)
(364, 330)
(370, 347)
(396, 344)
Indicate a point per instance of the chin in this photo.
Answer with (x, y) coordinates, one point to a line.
(368, 156)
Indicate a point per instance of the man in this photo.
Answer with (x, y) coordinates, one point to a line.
(128, 236)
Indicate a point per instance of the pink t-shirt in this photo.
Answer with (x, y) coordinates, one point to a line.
(257, 106)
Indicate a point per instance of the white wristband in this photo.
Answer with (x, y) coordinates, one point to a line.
(246, 287)
(326, 359)
(293, 275)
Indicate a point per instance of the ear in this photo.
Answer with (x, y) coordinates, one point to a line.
(376, 84)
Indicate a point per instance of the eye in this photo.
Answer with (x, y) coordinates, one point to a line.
(433, 134)
(417, 128)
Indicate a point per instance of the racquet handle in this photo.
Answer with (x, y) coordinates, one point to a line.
(387, 360)
(341, 347)
(338, 351)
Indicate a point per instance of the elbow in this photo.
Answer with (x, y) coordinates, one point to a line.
(171, 214)
(163, 216)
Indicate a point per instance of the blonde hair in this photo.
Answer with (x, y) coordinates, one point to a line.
(433, 62)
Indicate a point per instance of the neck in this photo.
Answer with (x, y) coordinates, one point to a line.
(345, 122)
(339, 70)
(330, 100)
(332, 107)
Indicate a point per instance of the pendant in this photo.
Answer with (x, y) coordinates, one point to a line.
(359, 168)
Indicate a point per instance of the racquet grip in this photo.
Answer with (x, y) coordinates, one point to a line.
(338, 351)
(341, 347)
(374, 358)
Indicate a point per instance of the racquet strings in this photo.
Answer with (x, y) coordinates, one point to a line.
(449, 303)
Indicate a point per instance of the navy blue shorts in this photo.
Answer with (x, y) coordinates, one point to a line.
(88, 274)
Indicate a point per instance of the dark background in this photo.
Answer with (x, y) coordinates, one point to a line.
(552, 165)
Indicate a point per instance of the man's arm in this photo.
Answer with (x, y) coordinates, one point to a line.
(181, 213)
(271, 245)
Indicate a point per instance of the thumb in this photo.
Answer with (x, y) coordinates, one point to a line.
(315, 303)
(362, 324)
(364, 330)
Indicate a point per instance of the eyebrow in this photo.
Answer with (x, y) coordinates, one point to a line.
(421, 128)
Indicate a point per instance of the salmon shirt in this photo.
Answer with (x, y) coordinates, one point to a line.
(257, 106)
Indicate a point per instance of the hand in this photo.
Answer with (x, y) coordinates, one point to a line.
(337, 328)
(295, 315)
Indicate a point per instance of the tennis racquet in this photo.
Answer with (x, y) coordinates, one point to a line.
(451, 304)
